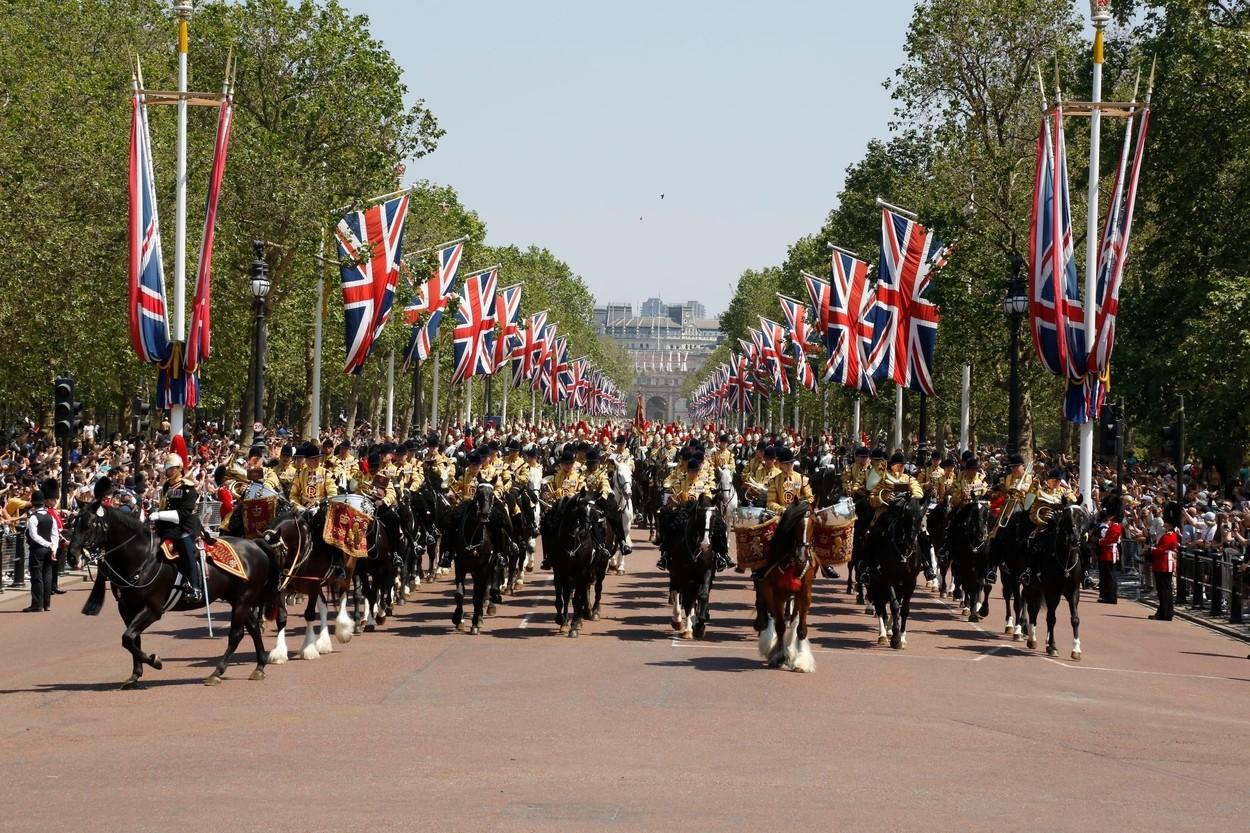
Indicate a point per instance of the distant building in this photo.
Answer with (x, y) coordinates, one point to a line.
(666, 342)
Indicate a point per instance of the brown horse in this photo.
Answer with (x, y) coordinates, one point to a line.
(785, 590)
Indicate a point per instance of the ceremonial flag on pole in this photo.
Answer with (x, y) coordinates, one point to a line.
(430, 301)
(1114, 253)
(531, 348)
(905, 321)
(369, 245)
(199, 342)
(149, 322)
(849, 327)
(507, 312)
(796, 318)
(543, 355)
(474, 336)
(772, 336)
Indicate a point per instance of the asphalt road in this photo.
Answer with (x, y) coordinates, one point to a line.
(419, 727)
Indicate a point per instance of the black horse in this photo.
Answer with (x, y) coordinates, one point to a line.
(937, 522)
(524, 500)
(429, 506)
(967, 539)
(649, 485)
(470, 536)
(1009, 550)
(895, 545)
(696, 533)
(854, 569)
(1061, 552)
(572, 541)
(146, 584)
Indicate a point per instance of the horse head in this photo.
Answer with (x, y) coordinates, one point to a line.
(1071, 530)
(89, 530)
(484, 501)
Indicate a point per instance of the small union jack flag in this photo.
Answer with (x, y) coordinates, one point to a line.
(430, 300)
(905, 321)
(474, 336)
(528, 354)
(772, 350)
(848, 332)
(507, 312)
(369, 243)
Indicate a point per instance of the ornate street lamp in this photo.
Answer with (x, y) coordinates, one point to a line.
(260, 291)
(1015, 305)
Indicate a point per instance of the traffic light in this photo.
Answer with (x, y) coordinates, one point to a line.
(1108, 431)
(1171, 445)
(143, 414)
(65, 408)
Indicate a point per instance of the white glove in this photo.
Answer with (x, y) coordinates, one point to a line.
(166, 515)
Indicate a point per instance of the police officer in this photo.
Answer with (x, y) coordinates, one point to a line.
(179, 521)
(42, 540)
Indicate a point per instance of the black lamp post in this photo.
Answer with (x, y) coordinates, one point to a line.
(260, 291)
(1015, 305)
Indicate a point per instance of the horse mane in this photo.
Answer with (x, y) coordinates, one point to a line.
(127, 520)
(789, 528)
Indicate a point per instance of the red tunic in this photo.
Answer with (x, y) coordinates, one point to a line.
(1163, 554)
(1109, 544)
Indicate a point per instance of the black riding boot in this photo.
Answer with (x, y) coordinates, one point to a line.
(829, 572)
(190, 561)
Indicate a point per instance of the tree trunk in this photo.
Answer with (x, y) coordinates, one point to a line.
(353, 400)
(306, 425)
(1024, 441)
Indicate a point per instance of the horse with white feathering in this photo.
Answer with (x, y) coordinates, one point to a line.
(623, 490)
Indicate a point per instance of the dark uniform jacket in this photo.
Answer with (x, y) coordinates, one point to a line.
(184, 499)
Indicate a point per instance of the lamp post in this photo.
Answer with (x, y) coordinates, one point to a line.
(260, 291)
(1015, 305)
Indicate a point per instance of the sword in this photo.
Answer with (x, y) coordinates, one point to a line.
(204, 580)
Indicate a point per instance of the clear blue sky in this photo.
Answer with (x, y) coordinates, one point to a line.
(566, 121)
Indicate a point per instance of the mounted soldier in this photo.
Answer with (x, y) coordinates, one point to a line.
(178, 520)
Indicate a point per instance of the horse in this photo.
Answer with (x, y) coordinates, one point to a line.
(968, 542)
(826, 483)
(409, 577)
(696, 534)
(623, 490)
(650, 485)
(854, 568)
(895, 544)
(524, 498)
(576, 561)
(937, 523)
(785, 593)
(1060, 553)
(429, 505)
(1009, 550)
(376, 575)
(146, 584)
(726, 493)
(308, 569)
(476, 553)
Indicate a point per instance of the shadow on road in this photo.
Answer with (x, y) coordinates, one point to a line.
(718, 663)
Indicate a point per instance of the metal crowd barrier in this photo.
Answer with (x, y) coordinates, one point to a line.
(12, 560)
(1216, 582)
(210, 514)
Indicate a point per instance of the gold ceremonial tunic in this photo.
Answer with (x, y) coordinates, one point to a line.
(311, 486)
(784, 489)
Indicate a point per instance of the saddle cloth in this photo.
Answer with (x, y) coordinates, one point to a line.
(219, 553)
(346, 528)
(257, 515)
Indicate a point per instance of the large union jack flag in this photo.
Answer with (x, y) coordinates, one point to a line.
(528, 355)
(848, 333)
(507, 314)
(772, 351)
(795, 312)
(430, 301)
(474, 336)
(904, 320)
(149, 323)
(369, 244)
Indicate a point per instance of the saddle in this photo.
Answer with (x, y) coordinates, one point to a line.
(219, 553)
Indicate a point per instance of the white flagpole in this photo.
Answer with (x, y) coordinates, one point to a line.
(898, 417)
(183, 10)
(1100, 18)
(434, 397)
(965, 406)
(855, 422)
(315, 430)
(503, 414)
(390, 395)
(468, 401)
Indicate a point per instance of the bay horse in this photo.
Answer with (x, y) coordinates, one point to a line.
(697, 533)
(1060, 554)
(895, 545)
(471, 541)
(146, 584)
(785, 593)
(569, 538)
(968, 538)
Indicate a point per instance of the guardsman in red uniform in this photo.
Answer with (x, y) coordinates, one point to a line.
(1109, 532)
(1163, 558)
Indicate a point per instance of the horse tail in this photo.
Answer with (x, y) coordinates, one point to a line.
(95, 601)
(268, 544)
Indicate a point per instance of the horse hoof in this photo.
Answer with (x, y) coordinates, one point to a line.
(594, 616)
(564, 629)
(519, 584)
(258, 674)
(370, 628)
(490, 610)
(883, 640)
(699, 630)
(475, 631)
(1076, 655)
(1015, 637)
(459, 626)
(572, 633)
(972, 617)
(212, 680)
(896, 644)
(676, 624)
(870, 610)
(1050, 652)
(687, 634)
(1007, 629)
(130, 685)
(984, 610)
(1032, 643)
(156, 662)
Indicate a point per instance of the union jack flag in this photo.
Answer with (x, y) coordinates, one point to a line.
(542, 359)
(507, 311)
(1114, 250)
(818, 293)
(369, 243)
(905, 321)
(849, 329)
(772, 350)
(199, 342)
(149, 323)
(740, 386)
(530, 350)
(474, 336)
(803, 374)
(430, 300)
(796, 317)
(579, 385)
